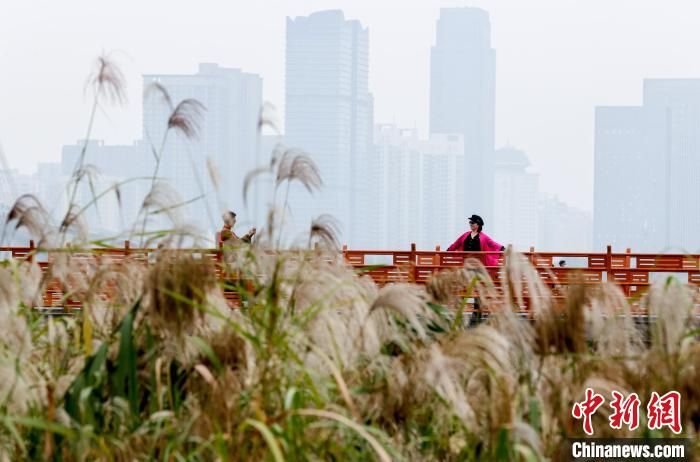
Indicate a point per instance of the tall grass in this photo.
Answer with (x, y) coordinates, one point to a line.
(319, 363)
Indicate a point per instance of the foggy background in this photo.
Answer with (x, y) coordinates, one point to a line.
(555, 62)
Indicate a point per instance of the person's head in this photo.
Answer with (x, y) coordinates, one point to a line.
(476, 224)
(562, 263)
(229, 218)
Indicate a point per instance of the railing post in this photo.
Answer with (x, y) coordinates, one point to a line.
(508, 251)
(31, 250)
(608, 263)
(414, 270)
(219, 249)
(532, 255)
(127, 248)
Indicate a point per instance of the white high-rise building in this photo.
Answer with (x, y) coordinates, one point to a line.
(418, 189)
(516, 196)
(329, 114)
(443, 190)
(399, 185)
(213, 163)
(462, 97)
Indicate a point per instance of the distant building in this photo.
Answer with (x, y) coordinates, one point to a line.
(647, 170)
(329, 113)
(679, 101)
(443, 190)
(215, 162)
(399, 210)
(124, 169)
(417, 189)
(8, 186)
(118, 160)
(261, 189)
(516, 196)
(630, 179)
(50, 186)
(562, 227)
(462, 97)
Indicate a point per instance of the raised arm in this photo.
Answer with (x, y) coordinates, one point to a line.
(248, 237)
(492, 245)
(458, 244)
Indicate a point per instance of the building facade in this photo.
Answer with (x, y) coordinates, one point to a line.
(678, 100)
(123, 169)
(215, 161)
(647, 170)
(516, 196)
(329, 114)
(563, 228)
(418, 189)
(462, 96)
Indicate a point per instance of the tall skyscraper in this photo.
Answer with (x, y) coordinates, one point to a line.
(647, 170)
(462, 97)
(679, 101)
(630, 179)
(226, 143)
(328, 113)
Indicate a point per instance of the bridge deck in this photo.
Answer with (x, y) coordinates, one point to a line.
(632, 272)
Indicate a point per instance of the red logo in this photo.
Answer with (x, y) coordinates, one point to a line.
(586, 408)
(662, 411)
(665, 411)
(625, 411)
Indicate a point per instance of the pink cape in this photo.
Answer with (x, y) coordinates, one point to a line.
(486, 243)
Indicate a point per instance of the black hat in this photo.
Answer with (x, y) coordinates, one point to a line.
(476, 219)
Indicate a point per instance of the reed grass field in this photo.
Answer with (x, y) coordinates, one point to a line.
(318, 363)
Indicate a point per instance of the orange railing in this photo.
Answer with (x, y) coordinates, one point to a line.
(633, 272)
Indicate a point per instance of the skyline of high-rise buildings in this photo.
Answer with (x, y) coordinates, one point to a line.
(392, 185)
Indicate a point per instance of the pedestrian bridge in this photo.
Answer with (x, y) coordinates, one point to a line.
(632, 272)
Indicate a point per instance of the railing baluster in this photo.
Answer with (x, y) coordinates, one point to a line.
(631, 271)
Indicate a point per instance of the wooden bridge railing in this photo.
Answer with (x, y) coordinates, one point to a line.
(633, 272)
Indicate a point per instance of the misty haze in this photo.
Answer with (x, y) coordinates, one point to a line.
(378, 106)
(349, 230)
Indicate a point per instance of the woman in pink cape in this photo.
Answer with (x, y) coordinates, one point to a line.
(475, 240)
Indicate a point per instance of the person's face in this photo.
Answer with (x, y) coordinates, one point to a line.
(473, 226)
(230, 219)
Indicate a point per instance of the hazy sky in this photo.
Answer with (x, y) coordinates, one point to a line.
(556, 60)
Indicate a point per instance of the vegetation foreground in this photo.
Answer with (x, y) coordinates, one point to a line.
(319, 363)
